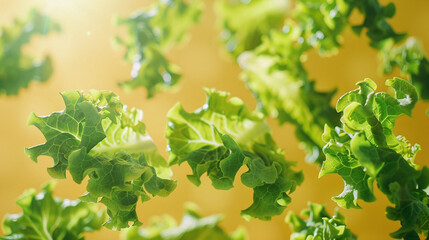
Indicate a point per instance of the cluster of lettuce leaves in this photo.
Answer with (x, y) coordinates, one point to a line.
(319, 225)
(17, 70)
(46, 218)
(193, 226)
(99, 137)
(364, 149)
(152, 32)
(222, 136)
(272, 62)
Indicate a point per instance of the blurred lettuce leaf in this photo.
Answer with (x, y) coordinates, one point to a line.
(46, 217)
(17, 70)
(192, 227)
(319, 225)
(243, 23)
(151, 34)
(412, 61)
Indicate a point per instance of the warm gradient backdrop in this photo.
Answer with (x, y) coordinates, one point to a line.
(85, 59)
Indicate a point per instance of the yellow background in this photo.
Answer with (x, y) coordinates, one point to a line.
(84, 59)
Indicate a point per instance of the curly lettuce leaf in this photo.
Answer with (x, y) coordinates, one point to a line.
(151, 33)
(192, 227)
(45, 217)
(412, 61)
(365, 150)
(319, 225)
(243, 23)
(98, 137)
(221, 137)
(17, 70)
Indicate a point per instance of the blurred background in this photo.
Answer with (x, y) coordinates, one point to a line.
(84, 59)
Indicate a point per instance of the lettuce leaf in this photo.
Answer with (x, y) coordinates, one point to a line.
(97, 136)
(46, 217)
(243, 23)
(365, 150)
(319, 225)
(412, 61)
(378, 30)
(16, 69)
(192, 227)
(151, 33)
(221, 137)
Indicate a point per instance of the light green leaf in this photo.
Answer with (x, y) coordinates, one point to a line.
(98, 137)
(221, 137)
(244, 23)
(192, 227)
(275, 74)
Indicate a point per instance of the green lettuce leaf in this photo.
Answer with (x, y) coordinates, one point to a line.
(322, 24)
(151, 33)
(378, 30)
(47, 218)
(319, 225)
(17, 70)
(243, 23)
(221, 137)
(98, 137)
(412, 61)
(192, 227)
(365, 150)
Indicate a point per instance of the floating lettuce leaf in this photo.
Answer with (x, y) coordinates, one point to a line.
(324, 21)
(377, 28)
(16, 69)
(365, 150)
(98, 137)
(152, 32)
(45, 217)
(412, 61)
(192, 227)
(276, 76)
(322, 24)
(243, 23)
(319, 225)
(221, 137)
